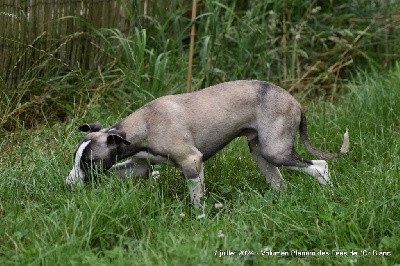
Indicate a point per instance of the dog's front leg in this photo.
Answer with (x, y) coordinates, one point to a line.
(196, 188)
(131, 168)
(193, 169)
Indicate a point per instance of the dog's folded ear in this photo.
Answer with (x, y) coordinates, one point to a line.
(93, 127)
(117, 137)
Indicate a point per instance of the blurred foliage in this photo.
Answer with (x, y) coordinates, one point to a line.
(308, 47)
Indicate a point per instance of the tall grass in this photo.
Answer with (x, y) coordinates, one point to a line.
(300, 44)
(308, 47)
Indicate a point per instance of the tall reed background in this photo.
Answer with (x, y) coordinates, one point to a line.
(62, 56)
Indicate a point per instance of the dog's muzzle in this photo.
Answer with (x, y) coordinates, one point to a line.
(75, 176)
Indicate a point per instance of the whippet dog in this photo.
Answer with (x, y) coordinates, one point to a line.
(185, 130)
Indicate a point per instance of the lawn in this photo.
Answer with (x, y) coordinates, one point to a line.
(150, 221)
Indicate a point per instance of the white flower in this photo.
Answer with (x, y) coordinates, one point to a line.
(354, 261)
(266, 248)
(201, 216)
(182, 215)
(155, 175)
(316, 10)
(220, 233)
(218, 205)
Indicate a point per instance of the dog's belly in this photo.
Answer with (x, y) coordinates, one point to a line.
(152, 158)
(210, 146)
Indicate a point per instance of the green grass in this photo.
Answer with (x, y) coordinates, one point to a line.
(149, 222)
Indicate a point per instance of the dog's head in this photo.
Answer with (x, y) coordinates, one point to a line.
(96, 153)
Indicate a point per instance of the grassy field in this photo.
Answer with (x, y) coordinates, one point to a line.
(149, 222)
(313, 49)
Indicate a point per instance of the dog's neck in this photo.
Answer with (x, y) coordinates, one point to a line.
(136, 134)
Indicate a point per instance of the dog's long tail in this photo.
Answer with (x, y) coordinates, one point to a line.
(321, 154)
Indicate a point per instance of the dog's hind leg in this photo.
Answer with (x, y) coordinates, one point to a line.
(317, 169)
(271, 172)
(281, 153)
(277, 147)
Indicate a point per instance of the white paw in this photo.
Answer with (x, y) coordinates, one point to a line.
(319, 169)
